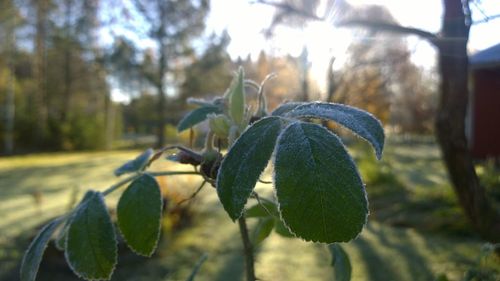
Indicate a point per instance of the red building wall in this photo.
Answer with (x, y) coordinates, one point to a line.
(486, 113)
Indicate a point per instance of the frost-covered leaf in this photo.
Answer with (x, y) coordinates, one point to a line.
(33, 256)
(319, 190)
(60, 240)
(237, 98)
(135, 165)
(285, 108)
(263, 230)
(199, 102)
(91, 247)
(196, 116)
(359, 121)
(139, 214)
(264, 209)
(340, 262)
(243, 164)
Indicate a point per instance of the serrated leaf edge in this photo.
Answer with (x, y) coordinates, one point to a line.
(295, 104)
(159, 225)
(270, 158)
(67, 223)
(275, 192)
(78, 274)
(378, 154)
(61, 236)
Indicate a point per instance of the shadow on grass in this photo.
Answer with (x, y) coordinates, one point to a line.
(233, 267)
(406, 249)
(377, 266)
(21, 181)
(54, 267)
(10, 258)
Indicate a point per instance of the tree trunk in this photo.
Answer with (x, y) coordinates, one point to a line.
(40, 109)
(450, 122)
(10, 104)
(304, 67)
(68, 81)
(330, 79)
(109, 119)
(162, 69)
(162, 96)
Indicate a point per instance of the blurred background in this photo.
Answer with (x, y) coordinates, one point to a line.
(87, 85)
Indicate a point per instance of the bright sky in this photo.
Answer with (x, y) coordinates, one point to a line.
(245, 23)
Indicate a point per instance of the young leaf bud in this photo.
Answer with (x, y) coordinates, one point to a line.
(219, 124)
(237, 99)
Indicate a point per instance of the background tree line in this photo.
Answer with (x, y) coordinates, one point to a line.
(57, 74)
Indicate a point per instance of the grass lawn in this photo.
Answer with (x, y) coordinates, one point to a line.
(415, 231)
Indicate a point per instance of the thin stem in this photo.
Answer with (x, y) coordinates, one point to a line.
(257, 197)
(119, 184)
(248, 249)
(154, 174)
(194, 193)
(247, 244)
(209, 141)
(262, 110)
(173, 173)
(160, 152)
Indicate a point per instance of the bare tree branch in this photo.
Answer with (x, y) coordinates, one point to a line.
(478, 7)
(389, 27)
(486, 19)
(144, 11)
(289, 9)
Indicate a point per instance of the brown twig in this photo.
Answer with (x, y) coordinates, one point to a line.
(389, 27)
(194, 193)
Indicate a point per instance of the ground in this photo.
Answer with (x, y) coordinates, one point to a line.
(415, 232)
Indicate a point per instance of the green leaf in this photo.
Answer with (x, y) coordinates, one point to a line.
(33, 256)
(139, 214)
(197, 116)
(359, 121)
(282, 229)
(263, 230)
(261, 210)
(243, 164)
(219, 124)
(135, 165)
(340, 262)
(319, 190)
(237, 98)
(60, 240)
(285, 108)
(91, 247)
